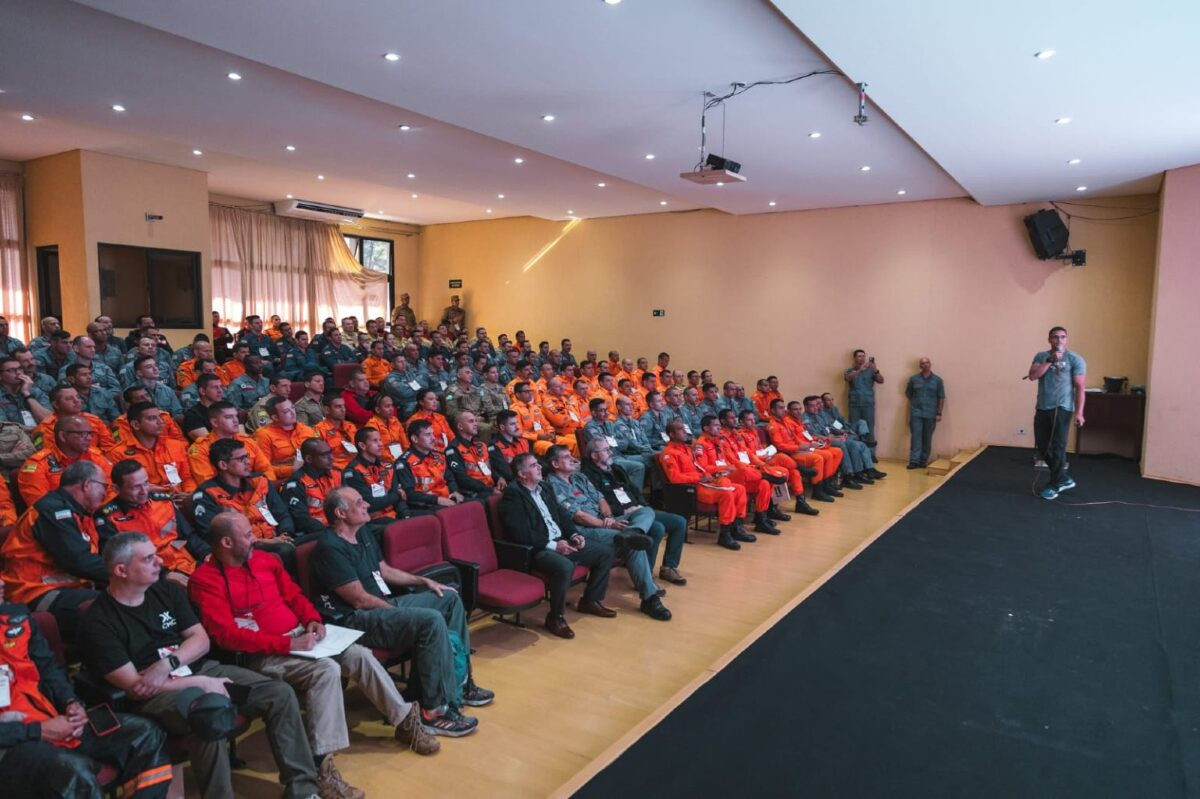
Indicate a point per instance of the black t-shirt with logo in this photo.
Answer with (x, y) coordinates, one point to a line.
(113, 634)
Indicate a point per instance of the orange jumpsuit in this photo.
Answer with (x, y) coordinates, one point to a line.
(249, 499)
(123, 432)
(762, 403)
(185, 374)
(44, 432)
(638, 399)
(679, 465)
(230, 370)
(789, 440)
(340, 438)
(745, 442)
(562, 413)
(534, 423)
(166, 464)
(391, 432)
(42, 471)
(29, 569)
(157, 520)
(202, 470)
(376, 369)
(715, 455)
(442, 434)
(280, 446)
(610, 399)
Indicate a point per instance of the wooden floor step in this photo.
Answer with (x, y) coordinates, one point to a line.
(962, 457)
(939, 467)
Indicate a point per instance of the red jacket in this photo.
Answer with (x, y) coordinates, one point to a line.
(262, 590)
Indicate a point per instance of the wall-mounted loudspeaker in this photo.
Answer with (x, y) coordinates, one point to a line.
(1047, 233)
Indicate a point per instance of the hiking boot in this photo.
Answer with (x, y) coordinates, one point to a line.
(330, 784)
(412, 733)
(671, 575)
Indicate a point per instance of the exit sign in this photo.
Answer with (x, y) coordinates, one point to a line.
(455, 284)
(659, 312)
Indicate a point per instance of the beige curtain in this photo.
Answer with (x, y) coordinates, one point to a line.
(301, 270)
(14, 278)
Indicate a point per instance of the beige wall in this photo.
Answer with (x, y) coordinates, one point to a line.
(54, 215)
(1172, 424)
(80, 199)
(794, 293)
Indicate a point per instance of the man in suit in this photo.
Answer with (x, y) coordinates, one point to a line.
(531, 515)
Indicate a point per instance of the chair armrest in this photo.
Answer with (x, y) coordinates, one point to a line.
(679, 498)
(95, 691)
(510, 555)
(468, 573)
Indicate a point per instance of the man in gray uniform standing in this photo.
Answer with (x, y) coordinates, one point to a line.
(862, 378)
(926, 395)
(1060, 398)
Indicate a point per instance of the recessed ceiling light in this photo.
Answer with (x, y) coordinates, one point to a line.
(902, 192)
(662, 202)
(391, 56)
(234, 76)
(118, 108)
(1074, 161)
(489, 210)
(864, 168)
(406, 128)
(611, 2)
(570, 212)
(1081, 188)
(601, 185)
(320, 177)
(1063, 121)
(772, 203)
(414, 196)
(1044, 54)
(518, 160)
(380, 211)
(649, 156)
(26, 117)
(289, 196)
(291, 148)
(816, 134)
(411, 176)
(197, 152)
(720, 183)
(547, 117)
(499, 196)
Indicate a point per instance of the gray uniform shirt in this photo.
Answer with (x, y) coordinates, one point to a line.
(1056, 388)
(576, 494)
(862, 386)
(923, 394)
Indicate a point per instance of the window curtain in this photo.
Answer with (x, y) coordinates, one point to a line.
(14, 278)
(301, 270)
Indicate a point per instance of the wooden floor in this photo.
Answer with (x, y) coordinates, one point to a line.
(564, 709)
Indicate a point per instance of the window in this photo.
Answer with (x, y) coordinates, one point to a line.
(143, 280)
(373, 254)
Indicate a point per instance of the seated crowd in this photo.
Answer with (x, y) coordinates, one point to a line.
(165, 508)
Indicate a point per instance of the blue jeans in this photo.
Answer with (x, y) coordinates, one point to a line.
(636, 563)
(674, 527)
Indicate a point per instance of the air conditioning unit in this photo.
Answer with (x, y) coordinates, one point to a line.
(322, 212)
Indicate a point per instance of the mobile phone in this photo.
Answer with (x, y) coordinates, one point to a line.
(872, 359)
(102, 720)
(238, 694)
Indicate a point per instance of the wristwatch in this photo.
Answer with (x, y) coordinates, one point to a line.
(173, 662)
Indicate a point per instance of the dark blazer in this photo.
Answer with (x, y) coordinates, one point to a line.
(523, 522)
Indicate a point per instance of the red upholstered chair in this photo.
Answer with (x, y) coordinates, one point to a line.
(413, 545)
(297, 390)
(493, 514)
(341, 374)
(518, 559)
(468, 544)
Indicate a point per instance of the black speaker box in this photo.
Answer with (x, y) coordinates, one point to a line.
(1047, 233)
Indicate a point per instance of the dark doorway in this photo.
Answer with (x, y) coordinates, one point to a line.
(49, 289)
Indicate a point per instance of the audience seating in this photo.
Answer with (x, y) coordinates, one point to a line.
(342, 372)
(297, 390)
(467, 543)
(525, 564)
(680, 499)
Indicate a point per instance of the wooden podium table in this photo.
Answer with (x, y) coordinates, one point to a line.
(1113, 425)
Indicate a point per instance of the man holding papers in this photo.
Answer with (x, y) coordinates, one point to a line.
(249, 604)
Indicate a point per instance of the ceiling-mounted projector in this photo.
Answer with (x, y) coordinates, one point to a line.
(715, 170)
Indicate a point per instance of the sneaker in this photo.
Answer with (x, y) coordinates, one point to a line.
(1038, 463)
(449, 722)
(474, 696)
(1066, 485)
(413, 734)
(330, 784)
(1049, 493)
(671, 575)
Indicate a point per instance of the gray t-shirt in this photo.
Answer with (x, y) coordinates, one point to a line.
(1056, 387)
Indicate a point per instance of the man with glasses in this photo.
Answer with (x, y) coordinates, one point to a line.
(74, 440)
(52, 557)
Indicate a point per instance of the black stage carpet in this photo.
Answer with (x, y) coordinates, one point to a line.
(991, 644)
